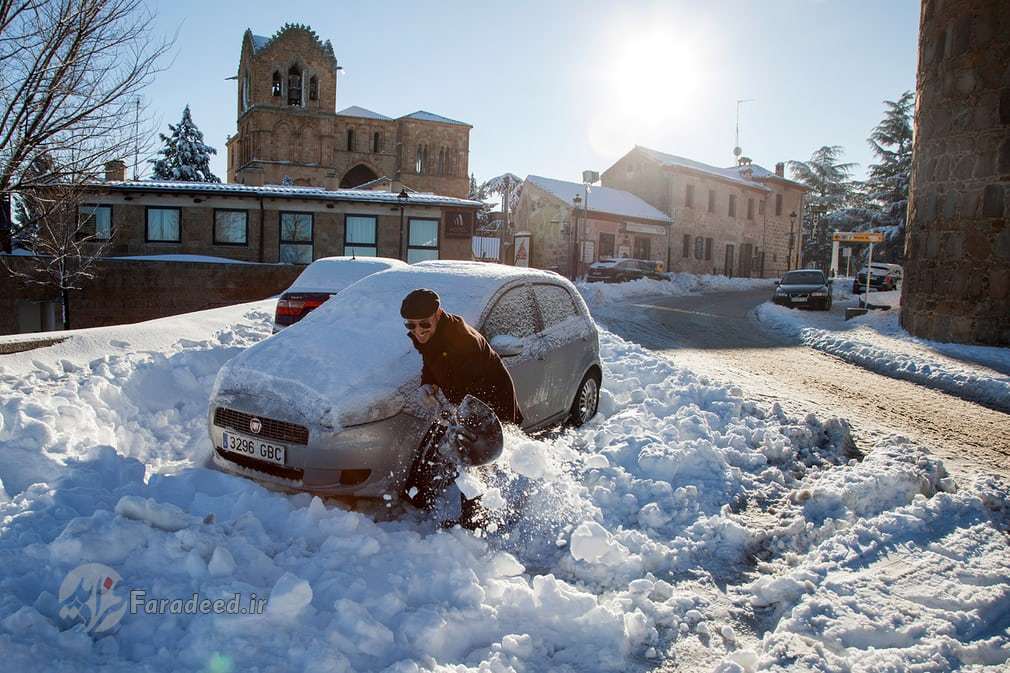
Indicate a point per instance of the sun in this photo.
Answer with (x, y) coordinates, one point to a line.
(653, 77)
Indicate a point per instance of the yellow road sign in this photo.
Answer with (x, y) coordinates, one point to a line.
(858, 237)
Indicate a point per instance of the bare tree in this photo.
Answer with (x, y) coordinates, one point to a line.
(71, 72)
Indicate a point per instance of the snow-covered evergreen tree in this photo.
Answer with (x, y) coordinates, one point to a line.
(831, 191)
(887, 184)
(184, 155)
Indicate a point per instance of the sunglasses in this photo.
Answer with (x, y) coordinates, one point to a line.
(412, 325)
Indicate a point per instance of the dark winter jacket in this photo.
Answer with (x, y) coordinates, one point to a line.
(460, 361)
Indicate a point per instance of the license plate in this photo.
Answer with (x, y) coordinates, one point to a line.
(253, 448)
(797, 299)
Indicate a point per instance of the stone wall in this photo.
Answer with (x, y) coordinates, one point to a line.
(957, 253)
(125, 291)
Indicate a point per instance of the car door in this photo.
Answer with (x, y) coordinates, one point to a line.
(565, 340)
(513, 321)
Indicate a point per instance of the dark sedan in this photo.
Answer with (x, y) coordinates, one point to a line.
(804, 287)
(620, 270)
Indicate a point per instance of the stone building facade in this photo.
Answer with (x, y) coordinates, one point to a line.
(738, 221)
(957, 250)
(290, 132)
(615, 224)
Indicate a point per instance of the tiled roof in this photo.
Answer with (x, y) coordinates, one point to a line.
(726, 173)
(355, 111)
(432, 117)
(283, 191)
(601, 199)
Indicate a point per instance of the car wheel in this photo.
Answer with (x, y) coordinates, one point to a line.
(587, 400)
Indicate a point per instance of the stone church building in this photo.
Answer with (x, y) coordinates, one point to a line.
(289, 130)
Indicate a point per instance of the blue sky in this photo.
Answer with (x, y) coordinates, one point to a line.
(553, 88)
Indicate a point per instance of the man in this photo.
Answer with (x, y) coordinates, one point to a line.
(457, 361)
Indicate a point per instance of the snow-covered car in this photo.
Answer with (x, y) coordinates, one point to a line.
(803, 287)
(334, 406)
(321, 280)
(883, 277)
(620, 270)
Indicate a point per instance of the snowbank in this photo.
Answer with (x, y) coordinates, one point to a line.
(675, 285)
(878, 342)
(606, 558)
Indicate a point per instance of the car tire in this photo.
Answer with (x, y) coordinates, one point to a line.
(586, 402)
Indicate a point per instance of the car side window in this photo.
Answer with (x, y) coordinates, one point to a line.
(556, 305)
(512, 315)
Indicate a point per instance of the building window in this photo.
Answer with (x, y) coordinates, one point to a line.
(732, 205)
(441, 162)
(606, 245)
(245, 91)
(422, 159)
(689, 196)
(231, 227)
(761, 207)
(376, 142)
(163, 225)
(422, 240)
(711, 200)
(686, 252)
(699, 247)
(294, 85)
(778, 205)
(750, 209)
(313, 88)
(98, 216)
(350, 140)
(275, 87)
(708, 248)
(296, 238)
(359, 235)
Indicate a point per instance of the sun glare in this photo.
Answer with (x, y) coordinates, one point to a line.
(654, 76)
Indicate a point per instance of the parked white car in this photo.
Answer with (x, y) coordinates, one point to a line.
(321, 280)
(334, 405)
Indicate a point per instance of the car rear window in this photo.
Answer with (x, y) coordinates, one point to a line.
(803, 278)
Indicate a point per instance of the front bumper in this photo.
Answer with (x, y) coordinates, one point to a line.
(384, 449)
(806, 301)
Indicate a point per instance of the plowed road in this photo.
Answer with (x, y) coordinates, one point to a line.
(716, 335)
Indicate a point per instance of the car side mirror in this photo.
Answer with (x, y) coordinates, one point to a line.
(506, 345)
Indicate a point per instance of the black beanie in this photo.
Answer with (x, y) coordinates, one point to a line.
(419, 304)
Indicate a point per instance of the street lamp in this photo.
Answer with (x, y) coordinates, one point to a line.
(577, 201)
(402, 198)
(792, 240)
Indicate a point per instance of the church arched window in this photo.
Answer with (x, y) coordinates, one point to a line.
(376, 142)
(350, 140)
(245, 91)
(275, 87)
(313, 88)
(294, 85)
(441, 161)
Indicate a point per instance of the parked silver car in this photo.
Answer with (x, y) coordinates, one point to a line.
(332, 404)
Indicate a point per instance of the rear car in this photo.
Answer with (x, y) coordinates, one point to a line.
(883, 278)
(321, 280)
(334, 406)
(624, 269)
(803, 288)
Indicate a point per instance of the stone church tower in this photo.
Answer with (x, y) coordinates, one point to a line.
(957, 252)
(289, 130)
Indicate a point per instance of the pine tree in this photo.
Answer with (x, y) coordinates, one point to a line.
(887, 184)
(831, 191)
(184, 156)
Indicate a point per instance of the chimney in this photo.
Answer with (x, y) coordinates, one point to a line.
(780, 169)
(115, 171)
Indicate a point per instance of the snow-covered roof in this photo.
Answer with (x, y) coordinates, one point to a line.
(283, 191)
(259, 41)
(762, 173)
(364, 113)
(601, 199)
(682, 162)
(432, 117)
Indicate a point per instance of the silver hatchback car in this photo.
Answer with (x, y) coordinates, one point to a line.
(332, 404)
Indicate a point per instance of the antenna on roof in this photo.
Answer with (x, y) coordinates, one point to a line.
(737, 150)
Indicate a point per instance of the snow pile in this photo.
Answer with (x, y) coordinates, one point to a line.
(878, 342)
(674, 285)
(682, 518)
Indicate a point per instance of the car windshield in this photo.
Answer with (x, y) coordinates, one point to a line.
(803, 278)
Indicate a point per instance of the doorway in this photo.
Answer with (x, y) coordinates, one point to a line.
(643, 247)
(728, 264)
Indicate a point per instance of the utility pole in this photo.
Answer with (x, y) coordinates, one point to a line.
(737, 150)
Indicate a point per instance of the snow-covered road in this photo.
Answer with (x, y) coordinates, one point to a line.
(690, 526)
(716, 335)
